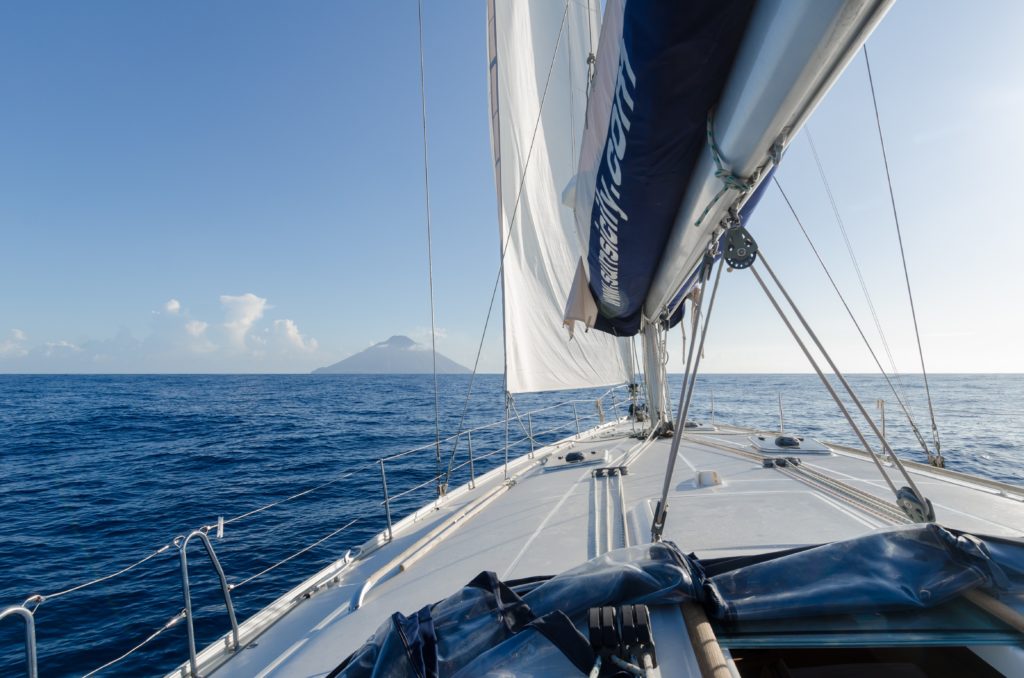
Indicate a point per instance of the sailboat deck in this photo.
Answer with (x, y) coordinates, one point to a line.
(547, 520)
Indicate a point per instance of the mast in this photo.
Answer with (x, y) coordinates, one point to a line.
(492, 48)
(654, 374)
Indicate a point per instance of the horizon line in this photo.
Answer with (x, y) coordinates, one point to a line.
(446, 374)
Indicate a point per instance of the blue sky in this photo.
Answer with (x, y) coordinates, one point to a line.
(238, 187)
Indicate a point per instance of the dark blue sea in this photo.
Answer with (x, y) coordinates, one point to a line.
(98, 471)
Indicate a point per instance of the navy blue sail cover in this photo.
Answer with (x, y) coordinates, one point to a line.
(673, 63)
(536, 627)
(888, 570)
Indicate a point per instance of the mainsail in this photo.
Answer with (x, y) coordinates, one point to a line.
(540, 55)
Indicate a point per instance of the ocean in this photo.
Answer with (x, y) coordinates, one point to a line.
(99, 471)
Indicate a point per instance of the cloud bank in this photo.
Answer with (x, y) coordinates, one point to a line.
(241, 313)
(242, 339)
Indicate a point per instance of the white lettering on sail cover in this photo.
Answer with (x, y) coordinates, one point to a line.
(609, 214)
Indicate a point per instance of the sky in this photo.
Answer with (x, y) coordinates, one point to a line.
(238, 187)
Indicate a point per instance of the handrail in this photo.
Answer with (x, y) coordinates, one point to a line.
(182, 544)
(500, 422)
(531, 437)
(31, 669)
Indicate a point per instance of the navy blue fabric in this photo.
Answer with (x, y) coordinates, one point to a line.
(905, 568)
(559, 629)
(485, 628)
(651, 574)
(420, 641)
(675, 59)
(508, 605)
(484, 616)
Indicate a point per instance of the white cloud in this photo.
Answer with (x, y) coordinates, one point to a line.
(290, 331)
(195, 328)
(244, 340)
(62, 347)
(422, 334)
(14, 346)
(241, 313)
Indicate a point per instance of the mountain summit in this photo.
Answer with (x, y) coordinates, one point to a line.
(397, 355)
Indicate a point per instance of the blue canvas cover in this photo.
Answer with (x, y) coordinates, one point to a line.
(674, 60)
(487, 629)
(490, 628)
(893, 569)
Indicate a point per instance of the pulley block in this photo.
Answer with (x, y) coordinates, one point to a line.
(917, 510)
(738, 247)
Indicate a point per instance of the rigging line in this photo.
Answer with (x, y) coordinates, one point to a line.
(661, 509)
(634, 385)
(903, 256)
(173, 621)
(824, 379)
(505, 244)
(508, 400)
(839, 375)
(590, 31)
(526, 433)
(430, 254)
(303, 493)
(849, 311)
(296, 554)
(684, 397)
(856, 267)
(39, 599)
(572, 127)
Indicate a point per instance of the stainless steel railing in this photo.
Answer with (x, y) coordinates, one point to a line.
(26, 615)
(180, 543)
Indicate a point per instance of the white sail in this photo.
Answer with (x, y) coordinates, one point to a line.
(538, 54)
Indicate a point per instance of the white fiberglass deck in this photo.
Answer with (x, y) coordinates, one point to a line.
(546, 521)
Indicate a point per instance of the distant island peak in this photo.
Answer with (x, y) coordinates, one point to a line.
(397, 354)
